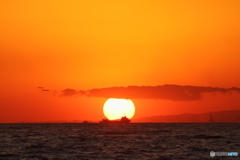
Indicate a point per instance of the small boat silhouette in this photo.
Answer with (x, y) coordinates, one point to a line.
(124, 119)
(85, 121)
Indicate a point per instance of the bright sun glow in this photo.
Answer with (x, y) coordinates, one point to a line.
(116, 108)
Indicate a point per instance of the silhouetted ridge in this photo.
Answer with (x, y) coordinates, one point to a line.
(232, 116)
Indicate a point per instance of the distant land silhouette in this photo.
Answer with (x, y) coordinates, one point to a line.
(230, 116)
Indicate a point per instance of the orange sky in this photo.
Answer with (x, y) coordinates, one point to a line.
(95, 44)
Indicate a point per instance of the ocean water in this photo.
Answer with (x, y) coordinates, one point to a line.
(118, 141)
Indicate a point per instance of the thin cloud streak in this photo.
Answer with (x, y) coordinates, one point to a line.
(69, 92)
(168, 92)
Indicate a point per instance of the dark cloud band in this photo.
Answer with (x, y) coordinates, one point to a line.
(169, 92)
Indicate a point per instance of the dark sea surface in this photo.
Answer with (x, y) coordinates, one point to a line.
(118, 141)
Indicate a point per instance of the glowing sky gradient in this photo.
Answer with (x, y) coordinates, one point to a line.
(96, 44)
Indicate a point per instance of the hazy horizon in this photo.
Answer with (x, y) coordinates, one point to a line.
(222, 116)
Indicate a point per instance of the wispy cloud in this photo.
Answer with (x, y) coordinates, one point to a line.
(72, 92)
(69, 93)
(169, 92)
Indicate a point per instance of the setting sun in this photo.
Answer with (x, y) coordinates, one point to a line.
(117, 108)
